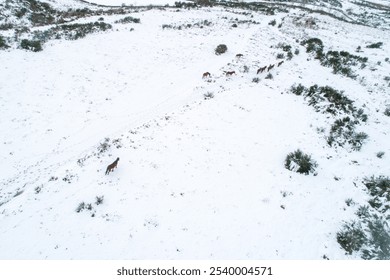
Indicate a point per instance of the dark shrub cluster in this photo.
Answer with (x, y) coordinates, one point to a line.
(31, 45)
(199, 24)
(272, 22)
(128, 19)
(314, 45)
(185, 5)
(326, 99)
(351, 237)
(343, 132)
(220, 49)
(379, 189)
(287, 49)
(370, 235)
(6, 26)
(70, 31)
(340, 62)
(3, 43)
(331, 101)
(300, 162)
(375, 45)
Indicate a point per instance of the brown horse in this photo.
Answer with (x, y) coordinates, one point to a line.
(111, 167)
(239, 55)
(280, 63)
(261, 70)
(270, 67)
(229, 73)
(206, 75)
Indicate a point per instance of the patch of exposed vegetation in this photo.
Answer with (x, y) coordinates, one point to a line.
(328, 100)
(339, 61)
(369, 235)
(300, 162)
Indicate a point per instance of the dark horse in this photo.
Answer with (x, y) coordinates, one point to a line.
(229, 73)
(261, 70)
(206, 74)
(111, 167)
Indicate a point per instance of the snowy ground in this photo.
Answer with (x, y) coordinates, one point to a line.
(197, 179)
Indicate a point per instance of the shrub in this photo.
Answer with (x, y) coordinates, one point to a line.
(387, 112)
(31, 45)
(341, 62)
(256, 80)
(375, 45)
(128, 19)
(351, 237)
(289, 55)
(272, 22)
(378, 187)
(380, 154)
(220, 49)
(99, 200)
(314, 45)
(6, 26)
(343, 132)
(3, 44)
(280, 56)
(298, 90)
(80, 207)
(379, 240)
(299, 162)
(269, 76)
(208, 95)
(103, 147)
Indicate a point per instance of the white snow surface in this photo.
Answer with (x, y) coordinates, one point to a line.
(196, 179)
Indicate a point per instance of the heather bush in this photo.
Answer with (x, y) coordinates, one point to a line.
(220, 49)
(299, 162)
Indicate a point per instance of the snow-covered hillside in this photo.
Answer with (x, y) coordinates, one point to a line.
(201, 173)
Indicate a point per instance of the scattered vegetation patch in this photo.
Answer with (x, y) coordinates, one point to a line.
(71, 31)
(369, 235)
(380, 154)
(128, 19)
(328, 100)
(375, 45)
(300, 162)
(342, 132)
(31, 45)
(220, 49)
(183, 26)
(104, 147)
(99, 200)
(340, 62)
(3, 43)
(272, 22)
(208, 95)
(287, 51)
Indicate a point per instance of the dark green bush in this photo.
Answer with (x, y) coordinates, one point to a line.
(128, 19)
(220, 49)
(314, 45)
(299, 162)
(351, 237)
(31, 45)
(272, 22)
(375, 45)
(3, 43)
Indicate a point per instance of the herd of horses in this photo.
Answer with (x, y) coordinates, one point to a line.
(112, 166)
(259, 71)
